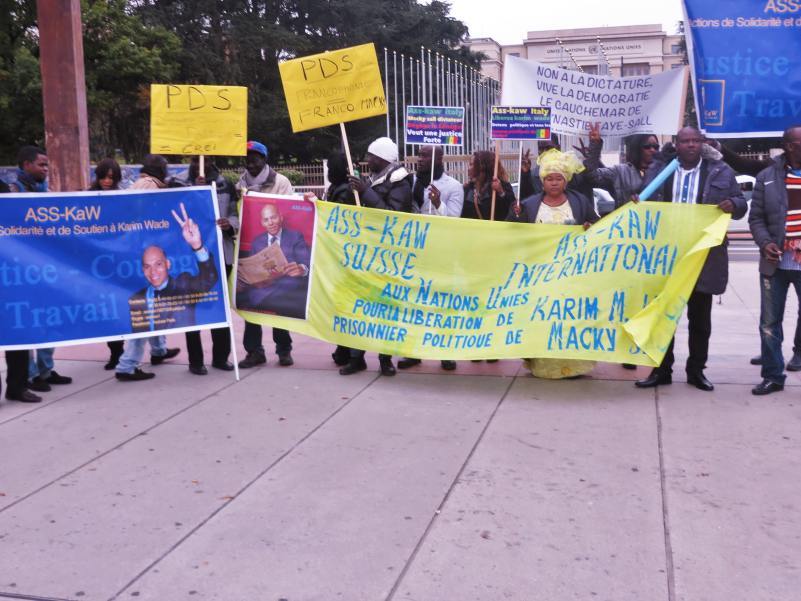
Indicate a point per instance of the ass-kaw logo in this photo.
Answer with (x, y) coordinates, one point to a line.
(74, 213)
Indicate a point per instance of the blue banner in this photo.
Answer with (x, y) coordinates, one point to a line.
(744, 57)
(89, 266)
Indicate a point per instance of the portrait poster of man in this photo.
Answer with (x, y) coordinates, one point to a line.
(109, 264)
(274, 262)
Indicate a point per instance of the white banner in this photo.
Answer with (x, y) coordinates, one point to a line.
(647, 104)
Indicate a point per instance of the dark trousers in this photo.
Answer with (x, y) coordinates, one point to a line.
(699, 326)
(116, 347)
(357, 354)
(253, 344)
(17, 375)
(220, 346)
(773, 297)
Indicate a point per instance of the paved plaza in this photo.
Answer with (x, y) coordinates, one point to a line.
(483, 484)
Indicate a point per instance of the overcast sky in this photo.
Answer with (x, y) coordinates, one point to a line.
(508, 21)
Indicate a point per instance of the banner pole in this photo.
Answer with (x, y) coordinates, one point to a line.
(350, 162)
(519, 173)
(431, 183)
(202, 167)
(494, 175)
(233, 343)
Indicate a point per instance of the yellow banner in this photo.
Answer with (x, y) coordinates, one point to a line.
(210, 120)
(333, 87)
(441, 288)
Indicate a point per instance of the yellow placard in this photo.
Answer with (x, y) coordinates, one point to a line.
(333, 87)
(438, 288)
(188, 119)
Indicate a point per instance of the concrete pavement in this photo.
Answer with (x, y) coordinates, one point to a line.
(482, 484)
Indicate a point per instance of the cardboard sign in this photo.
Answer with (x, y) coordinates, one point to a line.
(333, 87)
(520, 123)
(440, 125)
(210, 120)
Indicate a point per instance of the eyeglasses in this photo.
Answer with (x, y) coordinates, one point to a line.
(651, 146)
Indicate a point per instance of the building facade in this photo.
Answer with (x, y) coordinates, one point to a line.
(626, 50)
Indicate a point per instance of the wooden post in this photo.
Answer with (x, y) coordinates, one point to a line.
(201, 167)
(494, 175)
(350, 162)
(64, 94)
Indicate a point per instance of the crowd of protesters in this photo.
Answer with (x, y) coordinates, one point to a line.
(556, 189)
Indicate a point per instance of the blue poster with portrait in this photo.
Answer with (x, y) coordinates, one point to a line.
(744, 58)
(89, 266)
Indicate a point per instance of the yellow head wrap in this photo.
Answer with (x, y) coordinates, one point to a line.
(556, 161)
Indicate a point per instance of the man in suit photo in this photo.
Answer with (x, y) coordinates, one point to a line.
(286, 291)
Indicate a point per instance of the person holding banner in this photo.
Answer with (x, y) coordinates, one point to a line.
(151, 177)
(388, 187)
(477, 203)
(228, 223)
(108, 176)
(260, 177)
(698, 180)
(775, 223)
(32, 172)
(434, 193)
(530, 180)
(556, 205)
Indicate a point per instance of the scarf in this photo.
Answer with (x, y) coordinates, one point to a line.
(422, 181)
(248, 182)
(26, 183)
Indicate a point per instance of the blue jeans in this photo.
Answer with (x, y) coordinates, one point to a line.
(40, 363)
(773, 297)
(135, 350)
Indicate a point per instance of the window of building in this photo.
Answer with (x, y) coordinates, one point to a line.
(514, 54)
(592, 69)
(676, 66)
(675, 49)
(633, 69)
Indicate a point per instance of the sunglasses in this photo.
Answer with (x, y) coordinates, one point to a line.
(651, 146)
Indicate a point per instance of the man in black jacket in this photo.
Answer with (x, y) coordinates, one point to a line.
(388, 187)
(775, 223)
(698, 180)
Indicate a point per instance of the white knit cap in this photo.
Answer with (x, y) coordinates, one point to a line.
(384, 148)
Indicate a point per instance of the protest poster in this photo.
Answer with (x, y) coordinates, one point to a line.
(89, 266)
(202, 120)
(520, 123)
(417, 286)
(435, 125)
(622, 105)
(273, 253)
(744, 59)
(333, 87)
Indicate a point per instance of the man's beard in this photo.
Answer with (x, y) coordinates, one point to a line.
(426, 175)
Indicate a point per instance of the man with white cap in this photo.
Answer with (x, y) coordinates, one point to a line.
(389, 187)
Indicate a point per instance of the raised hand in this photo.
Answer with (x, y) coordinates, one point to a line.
(189, 229)
(525, 161)
(595, 132)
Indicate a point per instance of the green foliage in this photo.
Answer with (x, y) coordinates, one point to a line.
(294, 176)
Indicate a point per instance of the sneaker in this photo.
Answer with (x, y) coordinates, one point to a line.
(252, 360)
(135, 376)
(39, 385)
(159, 359)
(57, 378)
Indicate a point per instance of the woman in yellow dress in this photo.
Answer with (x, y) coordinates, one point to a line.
(557, 205)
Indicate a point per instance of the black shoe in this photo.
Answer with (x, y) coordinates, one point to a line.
(446, 365)
(285, 359)
(657, 378)
(698, 379)
(198, 370)
(628, 366)
(794, 364)
(134, 376)
(407, 363)
(252, 360)
(341, 356)
(24, 396)
(766, 387)
(39, 385)
(223, 365)
(387, 369)
(57, 378)
(756, 360)
(354, 366)
(112, 361)
(475, 360)
(492, 360)
(159, 359)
